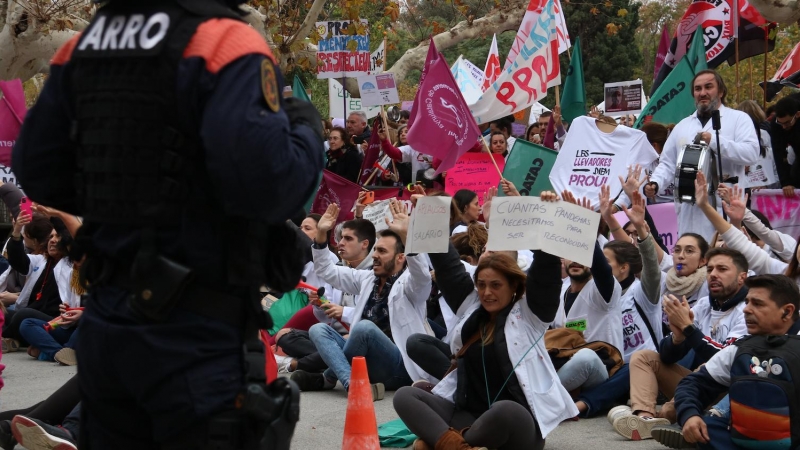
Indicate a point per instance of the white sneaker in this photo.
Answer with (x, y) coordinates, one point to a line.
(619, 411)
(637, 428)
(283, 363)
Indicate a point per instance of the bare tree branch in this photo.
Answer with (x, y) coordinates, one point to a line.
(309, 22)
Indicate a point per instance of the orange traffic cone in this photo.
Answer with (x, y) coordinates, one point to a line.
(360, 425)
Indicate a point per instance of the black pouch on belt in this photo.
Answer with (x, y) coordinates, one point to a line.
(158, 284)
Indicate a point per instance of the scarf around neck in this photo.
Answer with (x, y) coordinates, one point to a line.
(678, 285)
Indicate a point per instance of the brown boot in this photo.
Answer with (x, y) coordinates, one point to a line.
(453, 440)
(419, 444)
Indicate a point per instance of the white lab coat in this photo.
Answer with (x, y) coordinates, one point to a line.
(547, 398)
(739, 147)
(407, 309)
(63, 276)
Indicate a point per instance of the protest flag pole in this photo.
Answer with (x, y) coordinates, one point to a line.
(766, 55)
(344, 96)
(491, 156)
(386, 127)
(750, 66)
(736, 45)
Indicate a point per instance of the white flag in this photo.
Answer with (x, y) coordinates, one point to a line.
(492, 69)
(529, 20)
(525, 81)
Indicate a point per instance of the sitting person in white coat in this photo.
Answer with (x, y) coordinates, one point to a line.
(504, 388)
(390, 306)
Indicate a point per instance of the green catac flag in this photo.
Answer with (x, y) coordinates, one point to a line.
(298, 90)
(528, 167)
(673, 100)
(573, 100)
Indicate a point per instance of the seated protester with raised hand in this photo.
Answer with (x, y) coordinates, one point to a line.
(713, 323)
(759, 372)
(59, 342)
(504, 389)
(39, 298)
(293, 338)
(590, 303)
(390, 306)
(760, 262)
(455, 281)
(637, 271)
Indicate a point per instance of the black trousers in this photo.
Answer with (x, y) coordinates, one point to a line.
(298, 345)
(153, 385)
(430, 354)
(507, 425)
(15, 318)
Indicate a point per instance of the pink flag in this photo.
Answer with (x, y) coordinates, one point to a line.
(535, 8)
(492, 70)
(12, 112)
(448, 129)
(550, 134)
(372, 153)
(663, 49)
(335, 189)
(430, 57)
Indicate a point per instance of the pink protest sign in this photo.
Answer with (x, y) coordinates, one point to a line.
(781, 211)
(474, 171)
(12, 112)
(665, 219)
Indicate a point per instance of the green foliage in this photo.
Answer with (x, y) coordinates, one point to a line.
(607, 36)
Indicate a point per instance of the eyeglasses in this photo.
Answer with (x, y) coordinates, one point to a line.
(787, 124)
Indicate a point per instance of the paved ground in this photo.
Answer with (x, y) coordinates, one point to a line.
(321, 413)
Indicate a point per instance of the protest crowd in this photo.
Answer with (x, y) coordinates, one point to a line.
(500, 280)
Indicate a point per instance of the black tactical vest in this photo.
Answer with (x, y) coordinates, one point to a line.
(138, 163)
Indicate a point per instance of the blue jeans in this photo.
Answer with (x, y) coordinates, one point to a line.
(585, 369)
(384, 361)
(605, 395)
(724, 407)
(718, 433)
(32, 330)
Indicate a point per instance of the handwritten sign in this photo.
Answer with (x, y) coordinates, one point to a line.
(559, 228)
(378, 90)
(474, 171)
(376, 212)
(340, 53)
(430, 226)
(7, 176)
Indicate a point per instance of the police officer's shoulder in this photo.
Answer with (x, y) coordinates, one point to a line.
(64, 53)
(222, 41)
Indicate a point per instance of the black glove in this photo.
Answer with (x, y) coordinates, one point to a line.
(301, 112)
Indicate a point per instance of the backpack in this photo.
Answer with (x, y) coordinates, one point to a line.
(765, 403)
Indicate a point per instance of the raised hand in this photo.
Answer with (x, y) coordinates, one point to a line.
(568, 197)
(736, 207)
(327, 222)
(400, 220)
(634, 180)
(701, 189)
(360, 206)
(508, 188)
(606, 210)
(549, 196)
(638, 207)
(487, 202)
(557, 116)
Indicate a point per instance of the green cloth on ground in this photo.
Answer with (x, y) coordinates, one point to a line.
(395, 434)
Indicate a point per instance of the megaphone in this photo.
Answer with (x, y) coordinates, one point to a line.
(393, 113)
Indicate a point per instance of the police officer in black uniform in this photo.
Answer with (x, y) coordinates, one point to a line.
(163, 125)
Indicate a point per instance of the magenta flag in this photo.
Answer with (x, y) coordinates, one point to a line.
(663, 49)
(372, 153)
(432, 52)
(550, 134)
(446, 129)
(335, 189)
(12, 112)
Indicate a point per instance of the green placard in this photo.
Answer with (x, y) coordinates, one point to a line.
(578, 325)
(528, 167)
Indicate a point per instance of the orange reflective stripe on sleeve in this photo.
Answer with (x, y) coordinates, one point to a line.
(222, 41)
(64, 53)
